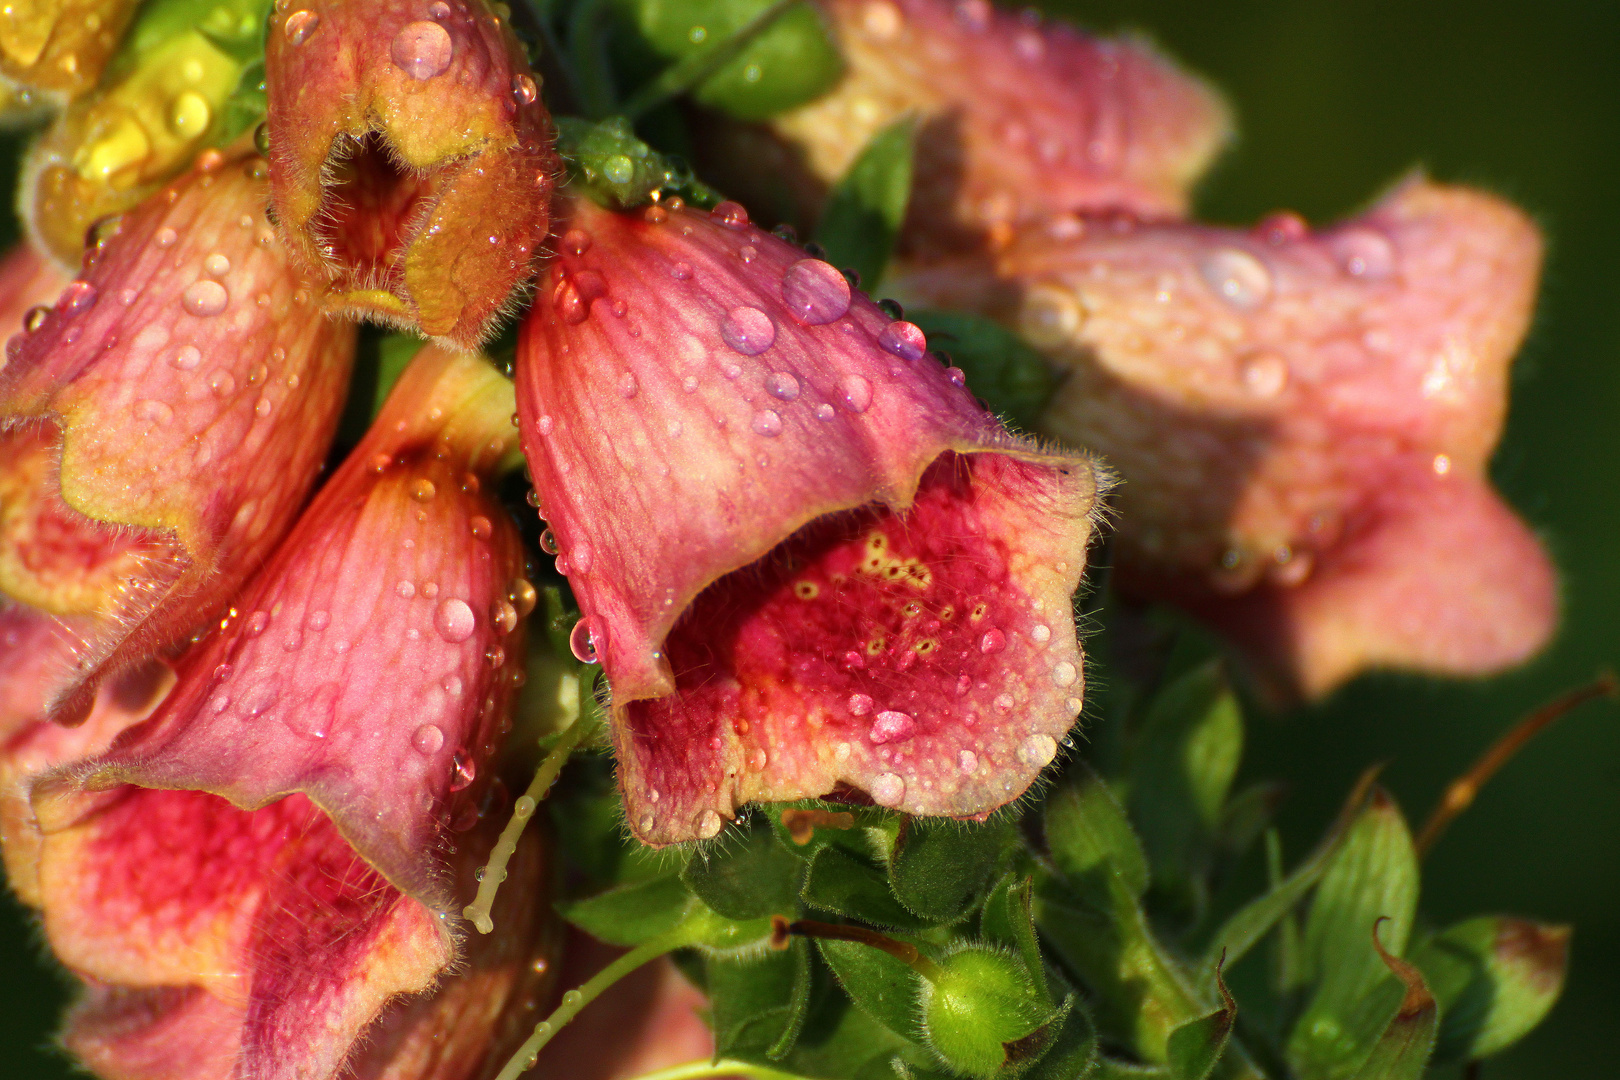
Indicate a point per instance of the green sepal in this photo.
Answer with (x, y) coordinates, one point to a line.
(1196, 1047)
(750, 877)
(1011, 378)
(883, 987)
(1495, 978)
(1090, 840)
(1372, 877)
(939, 868)
(846, 885)
(841, 1042)
(1008, 919)
(759, 1003)
(1403, 1048)
(1072, 1052)
(867, 206)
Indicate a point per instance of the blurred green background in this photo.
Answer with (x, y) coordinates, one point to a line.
(1335, 100)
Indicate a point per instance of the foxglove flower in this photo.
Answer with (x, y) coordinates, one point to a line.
(164, 421)
(163, 101)
(249, 877)
(1303, 421)
(411, 158)
(1020, 120)
(60, 46)
(809, 562)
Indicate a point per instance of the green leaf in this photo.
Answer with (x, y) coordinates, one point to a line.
(631, 914)
(1008, 919)
(789, 63)
(842, 1042)
(880, 985)
(760, 1002)
(1373, 876)
(1496, 978)
(394, 354)
(1402, 1051)
(845, 885)
(867, 207)
(751, 877)
(940, 868)
(1089, 837)
(1013, 379)
(1195, 1047)
(1181, 768)
(1072, 1052)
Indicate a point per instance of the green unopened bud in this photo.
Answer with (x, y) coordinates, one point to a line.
(980, 1010)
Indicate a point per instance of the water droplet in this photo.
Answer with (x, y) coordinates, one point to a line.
(301, 24)
(581, 556)
(480, 527)
(205, 298)
(454, 620)
(857, 393)
(1441, 464)
(222, 382)
(993, 641)
(1003, 702)
(767, 422)
(503, 616)
(815, 292)
(524, 89)
(782, 385)
(576, 241)
(681, 271)
(318, 621)
(891, 726)
(423, 489)
(76, 298)
(293, 642)
(165, 236)
(548, 542)
(903, 339)
(1237, 277)
(730, 214)
(153, 412)
(422, 49)
(957, 376)
(1064, 673)
(582, 643)
(888, 790)
(1050, 316)
(187, 358)
(36, 318)
(1040, 633)
(462, 772)
(645, 825)
(748, 330)
(968, 762)
(545, 425)
(708, 825)
(1364, 253)
(406, 590)
(860, 704)
(1264, 375)
(216, 265)
(1038, 750)
(522, 596)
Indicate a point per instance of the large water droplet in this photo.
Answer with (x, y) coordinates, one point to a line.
(1237, 277)
(422, 49)
(1037, 750)
(582, 643)
(903, 339)
(891, 726)
(1064, 673)
(462, 771)
(860, 704)
(815, 291)
(503, 616)
(427, 740)
(205, 298)
(524, 89)
(301, 24)
(548, 542)
(748, 330)
(782, 385)
(522, 596)
(454, 620)
(857, 392)
(730, 214)
(993, 641)
(767, 422)
(888, 790)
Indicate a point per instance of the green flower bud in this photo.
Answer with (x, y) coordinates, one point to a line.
(980, 1005)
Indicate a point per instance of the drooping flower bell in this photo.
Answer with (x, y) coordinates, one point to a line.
(1019, 119)
(1303, 421)
(164, 421)
(411, 158)
(809, 562)
(251, 875)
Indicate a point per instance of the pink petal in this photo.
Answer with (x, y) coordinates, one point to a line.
(682, 422)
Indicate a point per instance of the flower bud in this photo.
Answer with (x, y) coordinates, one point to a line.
(60, 46)
(1303, 421)
(1019, 119)
(411, 159)
(808, 560)
(981, 1004)
(167, 418)
(271, 844)
(162, 105)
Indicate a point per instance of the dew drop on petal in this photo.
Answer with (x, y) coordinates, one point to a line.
(318, 621)
(748, 330)
(645, 825)
(968, 762)
(730, 214)
(503, 616)
(301, 24)
(582, 643)
(1264, 375)
(628, 386)
(77, 297)
(462, 772)
(1237, 277)
(427, 740)
(825, 412)
(423, 490)
(860, 704)
(522, 596)
(1064, 673)
(888, 790)
(204, 299)
(815, 292)
(406, 590)
(767, 422)
(422, 49)
(216, 265)
(153, 412)
(480, 527)
(454, 620)
(1038, 750)
(782, 385)
(576, 241)
(548, 542)
(903, 339)
(1040, 633)
(1364, 253)
(709, 824)
(681, 271)
(993, 641)
(891, 726)
(857, 393)
(524, 89)
(187, 358)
